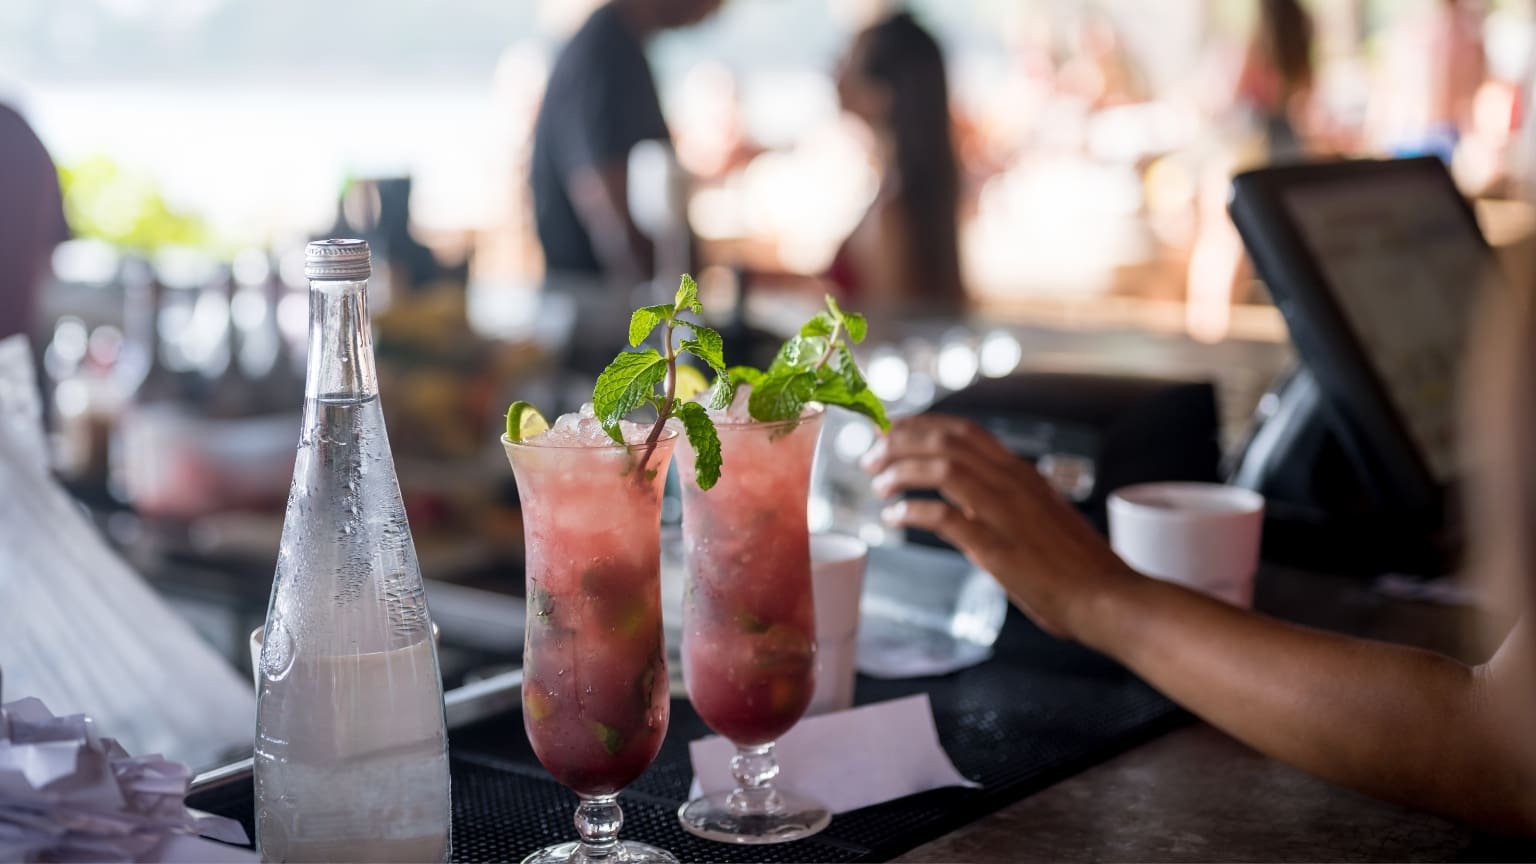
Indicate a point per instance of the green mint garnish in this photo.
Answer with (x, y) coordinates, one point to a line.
(644, 685)
(608, 736)
(630, 381)
(815, 365)
(644, 321)
(739, 375)
(543, 604)
(704, 441)
(750, 623)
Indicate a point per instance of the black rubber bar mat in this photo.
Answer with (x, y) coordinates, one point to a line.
(1038, 711)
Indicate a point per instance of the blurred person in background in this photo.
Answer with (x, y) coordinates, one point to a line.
(600, 102)
(1275, 83)
(1271, 103)
(31, 221)
(904, 255)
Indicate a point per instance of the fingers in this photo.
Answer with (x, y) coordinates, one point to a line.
(974, 493)
(937, 435)
(941, 518)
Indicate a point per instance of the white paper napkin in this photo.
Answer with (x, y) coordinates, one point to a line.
(847, 759)
(68, 794)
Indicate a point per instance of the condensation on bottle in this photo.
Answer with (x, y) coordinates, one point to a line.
(351, 748)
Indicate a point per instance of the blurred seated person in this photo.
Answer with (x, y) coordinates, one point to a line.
(904, 255)
(31, 221)
(599, 103)
(1395, 722)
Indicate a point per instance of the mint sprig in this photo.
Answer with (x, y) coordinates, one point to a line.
(816, 365)
(630, 381)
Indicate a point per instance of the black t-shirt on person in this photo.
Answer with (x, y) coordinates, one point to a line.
(600, 102)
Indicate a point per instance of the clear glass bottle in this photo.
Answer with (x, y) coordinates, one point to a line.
(351, 752)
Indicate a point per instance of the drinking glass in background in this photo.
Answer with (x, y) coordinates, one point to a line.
(926, 611)
(674, 578)
(837, 574)
(1203, 535)
(749, 621)
(595, 694)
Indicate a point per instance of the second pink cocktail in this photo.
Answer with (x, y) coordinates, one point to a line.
(749, 623)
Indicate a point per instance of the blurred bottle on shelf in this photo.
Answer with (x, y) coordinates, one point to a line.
(278, 374)
(199, 434)
(144, 375)
(231, 391)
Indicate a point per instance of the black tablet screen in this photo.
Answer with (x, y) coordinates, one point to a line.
(1404, 265)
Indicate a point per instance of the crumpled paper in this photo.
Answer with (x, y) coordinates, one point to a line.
(68, 794)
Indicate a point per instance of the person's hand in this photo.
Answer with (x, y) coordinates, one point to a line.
(999, 512)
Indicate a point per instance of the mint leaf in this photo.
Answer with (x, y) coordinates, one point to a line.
(739, 375)
(627, 383)
(704, 440)
(722, 394)
(800, 353)
(645, 319)
(781, 396)
(847, 369)
(833, 390)
(688, 296)
(857, 326)
(707, 345)
(607, 736)
(819, 325)
(750, 623)
(815, 365)
(543, 604)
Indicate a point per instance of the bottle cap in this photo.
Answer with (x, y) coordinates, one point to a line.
(337, 260)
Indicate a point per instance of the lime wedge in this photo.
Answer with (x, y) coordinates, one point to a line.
(690, 382)
(524, 421)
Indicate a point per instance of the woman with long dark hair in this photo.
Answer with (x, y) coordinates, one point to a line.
(1277, 75)
(904, 256)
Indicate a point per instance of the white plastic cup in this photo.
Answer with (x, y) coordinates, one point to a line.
(1201, 535)
(837, 583)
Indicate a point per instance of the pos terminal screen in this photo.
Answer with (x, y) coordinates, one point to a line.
(1404, 265)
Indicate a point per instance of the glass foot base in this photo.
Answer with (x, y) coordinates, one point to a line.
(726, 817)
(624, 852)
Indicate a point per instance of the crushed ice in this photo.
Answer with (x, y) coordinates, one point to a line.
(583, 429)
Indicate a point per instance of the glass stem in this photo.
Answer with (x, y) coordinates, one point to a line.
(598, 819)
(754, 769)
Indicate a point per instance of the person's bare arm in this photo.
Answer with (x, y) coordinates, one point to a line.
(1395, 722)
(600, 195)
